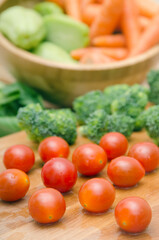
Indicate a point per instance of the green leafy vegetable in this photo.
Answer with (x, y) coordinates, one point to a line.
(153, 80)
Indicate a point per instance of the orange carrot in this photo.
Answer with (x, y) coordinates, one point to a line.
(149, 38)
(148, 8)
(115, 53)
(130, 23)
(72, 8)
(116, 40)
(107, 20)
(144, 22)
(90, 12)
(95, 57)
(59, 2)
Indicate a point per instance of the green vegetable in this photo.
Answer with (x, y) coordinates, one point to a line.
(24, 27)
(132, 102)
(39, 123)
(153, 80)
(152, 123)
(88, 103)
(66, 32)
(8, 125)
(48, 8)
(100, 123)
(114, 92)
(52, 52)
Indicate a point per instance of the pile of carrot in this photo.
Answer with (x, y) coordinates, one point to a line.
(119, 29)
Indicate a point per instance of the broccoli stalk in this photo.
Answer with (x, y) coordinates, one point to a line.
(39, 123)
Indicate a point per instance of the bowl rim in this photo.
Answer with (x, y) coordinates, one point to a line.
(6, 44)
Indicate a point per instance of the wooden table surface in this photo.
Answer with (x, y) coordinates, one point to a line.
(76, 224)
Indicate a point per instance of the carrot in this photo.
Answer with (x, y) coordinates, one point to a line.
(130, 23)
(58, 2)
(149, 38)
(107, 20)
(115, 53)
(144, 22)
(72, 8)
(116, 40)
(90, 12)
(148, 8)
(96, 58)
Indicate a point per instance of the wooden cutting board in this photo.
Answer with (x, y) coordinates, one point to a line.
(77, 224)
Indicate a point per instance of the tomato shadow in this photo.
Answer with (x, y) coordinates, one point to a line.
(126, 236)
(85, 212)
(58, 224)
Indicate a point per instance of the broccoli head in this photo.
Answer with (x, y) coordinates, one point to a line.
(153, 80)
(39, 123)
(100, 123)
(114, 92)
(89, 103)
(152, 123)
(132, 102)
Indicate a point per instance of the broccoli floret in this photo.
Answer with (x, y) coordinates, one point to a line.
(100, 123)
(132, 103)
(121, 123)
(96, 126)
(153, 80)
(114, 92)
(152, 123)
(89, 103)
(39, 123)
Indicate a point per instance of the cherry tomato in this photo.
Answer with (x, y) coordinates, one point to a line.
(19, 157)
(114, 144)
(97, 195)
(133, 214)
(59, 173)
(89, 159)
(14, 184)
(147, 154)
(47, 205)
(125, 171)
(53, 147)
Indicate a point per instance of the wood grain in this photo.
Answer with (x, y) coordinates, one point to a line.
(78, 224)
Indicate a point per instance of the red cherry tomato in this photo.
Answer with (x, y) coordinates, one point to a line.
(52, 147)
(47, 205)
(147, 154)
(14, 184)
(114, 144)
(97, 195)
(133, 214)
(125, 171)
(89, 159)
(19, 157)
(59, 173)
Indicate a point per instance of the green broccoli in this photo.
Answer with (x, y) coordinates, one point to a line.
(132, 102)
(153, 80)
(100, 123)
(114, 92)
(88, 103)
(152, 123)
(39, 123)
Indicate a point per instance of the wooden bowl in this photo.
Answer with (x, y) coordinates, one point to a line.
(62, 83)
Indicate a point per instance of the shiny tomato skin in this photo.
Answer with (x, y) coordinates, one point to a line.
(14, 185)
(52, 147)
(133, 214)
(147, 154)
(19, 157)
(89, 159)
(114, 144)
(97, 195)
(47, 205)
(125, 171)
(59, 173)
